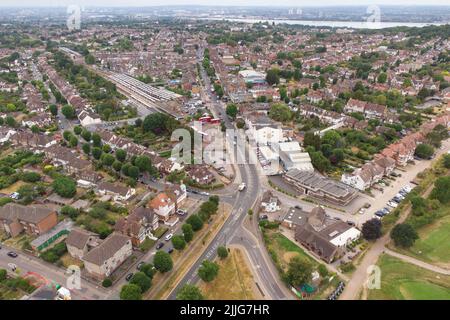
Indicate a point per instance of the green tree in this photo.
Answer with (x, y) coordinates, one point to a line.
(130, 292)
(404, 235)
(121, 155)
(86, 148)
(133, 172)
(272, 76)
(424, 151)
(232, 110)
(142, 281)
(117, 165)
(107, 159)
(77, 130)
(280, 112)
(188, 232)
(382, 77)
(3, 274)
(64, 186)
(73, 141)
(107, 282)
(96, 153)
(208, 270)
(143, 163)
(222, 252)
(311, 139)
(53, 109)
(68, 111)
(189, 292)
(96, 140)
(447, 161)
(148, 269)
(178, 242)
(106, 148)
(441, 190)
(162, 261)
(86, 134)
(371, 229)
(299, 271)
(195, 221)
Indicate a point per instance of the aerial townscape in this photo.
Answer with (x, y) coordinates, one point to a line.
(178, 152)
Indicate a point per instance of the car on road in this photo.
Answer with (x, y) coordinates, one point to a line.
(159, 245)
(298, 207)
(367, 205)
(351, 223)
(129, 276)
(242, 186)
(169, 236)
(140, 264)
(12, 254)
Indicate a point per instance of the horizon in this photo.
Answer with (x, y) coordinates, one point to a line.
(201, 3)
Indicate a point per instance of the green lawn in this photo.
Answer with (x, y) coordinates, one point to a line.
(404, 281)
(434, 242)
(286, 248)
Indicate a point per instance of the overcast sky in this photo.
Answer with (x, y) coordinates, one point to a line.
(294, 3)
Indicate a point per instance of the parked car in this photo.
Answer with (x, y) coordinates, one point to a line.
(12, 254)
(298, 207)
(181, 212)
(159, 245)
(392, 204)
(380, 214)
(170, 251)
(169, 236)
(263, 217)
(129, 276)
(140, 264)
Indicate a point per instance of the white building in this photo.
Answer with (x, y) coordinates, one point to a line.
(293, 157)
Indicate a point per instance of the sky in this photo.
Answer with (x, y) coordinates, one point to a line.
(293, 3)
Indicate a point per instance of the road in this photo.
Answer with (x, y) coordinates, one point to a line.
(49, 274)
(233, 230)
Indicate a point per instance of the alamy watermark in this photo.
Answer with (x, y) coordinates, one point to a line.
(74, 19)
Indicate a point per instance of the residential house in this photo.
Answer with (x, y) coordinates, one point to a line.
(138, 225)
(80, 241)
(101, 261)
(118, 192)
(34, 219)
(269, 202)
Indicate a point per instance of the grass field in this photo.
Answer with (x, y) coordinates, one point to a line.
(234, 281)
(285, 249)
(434, 243)
(404, 281)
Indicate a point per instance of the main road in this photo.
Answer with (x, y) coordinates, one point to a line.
(233, 230)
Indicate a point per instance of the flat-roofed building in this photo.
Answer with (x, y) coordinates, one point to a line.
(320, 187)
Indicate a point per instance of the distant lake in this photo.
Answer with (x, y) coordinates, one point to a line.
(334, 24)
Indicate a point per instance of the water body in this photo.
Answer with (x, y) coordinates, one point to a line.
(334, 24)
